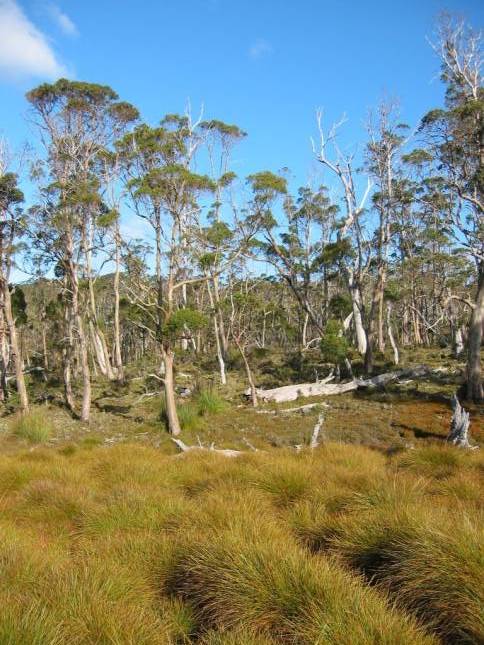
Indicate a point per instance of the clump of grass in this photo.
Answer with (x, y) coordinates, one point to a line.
(188, 416)
(91, 442)
(255, 577)
(438, 462)
(429, 565)
(209, 402)
(34, 426)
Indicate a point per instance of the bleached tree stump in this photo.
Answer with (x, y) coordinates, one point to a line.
(459, 426)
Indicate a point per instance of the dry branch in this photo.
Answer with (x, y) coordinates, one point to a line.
(225, 452)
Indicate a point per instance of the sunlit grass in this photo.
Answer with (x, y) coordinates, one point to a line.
(337, 545)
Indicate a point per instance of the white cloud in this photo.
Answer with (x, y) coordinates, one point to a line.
(24, 50)
(62, 20)
(260, 48)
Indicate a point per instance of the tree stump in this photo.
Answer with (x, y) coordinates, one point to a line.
(459, 426)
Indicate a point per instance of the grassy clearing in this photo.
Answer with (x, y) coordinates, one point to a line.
(341, 545)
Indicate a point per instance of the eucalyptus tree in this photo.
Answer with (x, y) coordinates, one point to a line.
(77, 121)
(297, 253)
(455, 138)
(351, 247)
(382, 160)
(11, 229)
(220, 139)
(167, 193)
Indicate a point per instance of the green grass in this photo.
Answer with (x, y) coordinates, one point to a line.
(33, 427)
(341, 545)
(209, 402)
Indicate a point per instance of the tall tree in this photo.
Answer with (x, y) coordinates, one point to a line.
(11, 227)
(77, 122)
(456, 140)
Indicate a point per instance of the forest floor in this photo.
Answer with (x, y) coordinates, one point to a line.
(395, 417)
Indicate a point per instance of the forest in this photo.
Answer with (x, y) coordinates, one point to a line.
(259, 423)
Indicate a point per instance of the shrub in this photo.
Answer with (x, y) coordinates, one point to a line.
(34, 426)
(334, 346)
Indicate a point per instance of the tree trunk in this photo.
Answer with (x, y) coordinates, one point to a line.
(396, 357)
(44, 348)
(15, 350)
(474, 389)
(218, 341)
(361, 339)
(118, 360)
(82, 346)
(4, 357)
(250, 378)
(171, 413)
(67, 357)
(98, 339)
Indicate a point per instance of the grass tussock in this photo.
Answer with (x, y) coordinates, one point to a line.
(341, 545)
(33, 426)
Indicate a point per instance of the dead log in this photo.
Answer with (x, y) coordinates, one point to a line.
(323, 388)
(459, 426)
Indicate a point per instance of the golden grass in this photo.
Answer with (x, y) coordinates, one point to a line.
(341, 545)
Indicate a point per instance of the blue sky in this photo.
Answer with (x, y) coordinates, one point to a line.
(265, 65)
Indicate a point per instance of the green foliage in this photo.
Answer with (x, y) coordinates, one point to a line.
(267, 183)
(19, 305)
(34, 427)
(224, 130)
(340, 305)
(10, 194)
(218, 233)
(417, 157)
(107, 219)
(182, 319)
(335, 252)
(334, 346)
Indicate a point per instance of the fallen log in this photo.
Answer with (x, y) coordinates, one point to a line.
(324, 388)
